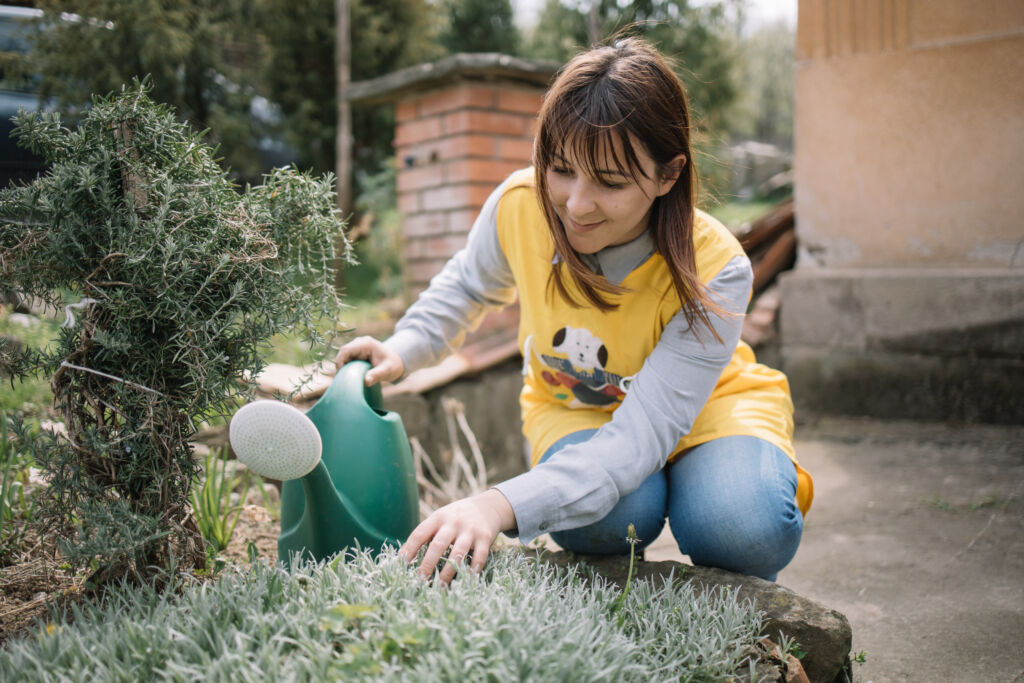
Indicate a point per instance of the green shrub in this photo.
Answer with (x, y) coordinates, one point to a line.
(367, 619)
(377, 273)
(178, 281)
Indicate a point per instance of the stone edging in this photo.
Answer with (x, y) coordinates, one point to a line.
(824, 634)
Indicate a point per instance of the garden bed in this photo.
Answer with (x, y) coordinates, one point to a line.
(367, 619)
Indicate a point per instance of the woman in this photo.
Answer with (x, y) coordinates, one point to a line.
(639, 401)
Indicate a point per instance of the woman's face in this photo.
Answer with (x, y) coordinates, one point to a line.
(608, 207)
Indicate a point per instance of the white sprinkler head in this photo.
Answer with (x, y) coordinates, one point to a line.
(275, 440)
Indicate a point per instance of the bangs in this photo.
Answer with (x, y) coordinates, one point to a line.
(590, 130)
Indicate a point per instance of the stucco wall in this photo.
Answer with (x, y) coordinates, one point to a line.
(910, 133)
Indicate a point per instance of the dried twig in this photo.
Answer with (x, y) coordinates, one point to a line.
(461, 477)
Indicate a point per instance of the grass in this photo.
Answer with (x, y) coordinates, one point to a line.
(733, 214)
(16, 507)
(375, 619)
(31, 396)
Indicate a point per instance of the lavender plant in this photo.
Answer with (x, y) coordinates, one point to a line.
(374, 619)
(173, 281)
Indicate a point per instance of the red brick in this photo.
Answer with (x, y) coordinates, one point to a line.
(531, 128)
(505, 319)
(479, 170)
(419, 271)
(418, 177)
(520, 101)
(515, 149)
(456, 146)
(453, 147)
(460, 221)
(408, 203)
(477, 121)
(414, 289)
(440, 247)
(421, 153)
(417, 131)
(459, 97)
(407, 110)
(420, 224)
(463, 196)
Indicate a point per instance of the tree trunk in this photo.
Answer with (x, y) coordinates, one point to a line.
(343, 142)
(594, 23)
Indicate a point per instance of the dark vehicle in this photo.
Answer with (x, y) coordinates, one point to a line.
(18, 90)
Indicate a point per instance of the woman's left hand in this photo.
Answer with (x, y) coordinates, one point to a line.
(467, 525)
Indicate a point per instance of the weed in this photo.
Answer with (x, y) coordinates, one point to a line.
(211, 501)
(941, 504)
(632, 539)
(789, 646)
(271, 505)
(990, 501)
(15, 506)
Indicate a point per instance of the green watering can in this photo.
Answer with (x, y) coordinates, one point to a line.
(346, 468)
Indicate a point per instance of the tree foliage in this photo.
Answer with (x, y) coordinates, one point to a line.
(480, 26)
(177, 283)
(697, 37)
(300, 72)
(764, 108)
(561, 32)
(195, 52)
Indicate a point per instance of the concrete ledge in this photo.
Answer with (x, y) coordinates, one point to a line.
(938, 344)
(912, 308)
(482, 66)
(904, 385)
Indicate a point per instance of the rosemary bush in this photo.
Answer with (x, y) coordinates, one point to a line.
(177, 280)
(375, 619)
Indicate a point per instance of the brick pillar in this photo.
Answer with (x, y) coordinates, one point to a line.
(454, 145)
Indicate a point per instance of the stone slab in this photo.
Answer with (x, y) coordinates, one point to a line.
(935, 344)
(895, 385)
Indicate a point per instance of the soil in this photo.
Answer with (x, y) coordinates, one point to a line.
(256, 526)
(37, 585)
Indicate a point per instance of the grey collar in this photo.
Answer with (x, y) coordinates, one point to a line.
(615, 263)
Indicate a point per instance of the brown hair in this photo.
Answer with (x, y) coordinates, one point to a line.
(624, 92)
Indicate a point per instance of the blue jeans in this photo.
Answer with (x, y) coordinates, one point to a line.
(730, 502)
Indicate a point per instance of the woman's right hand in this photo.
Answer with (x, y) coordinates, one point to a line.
(387, 365)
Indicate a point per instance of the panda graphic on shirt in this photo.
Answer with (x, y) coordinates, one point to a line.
(577, 373)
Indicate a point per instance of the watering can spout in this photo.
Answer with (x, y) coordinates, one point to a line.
(363, 491)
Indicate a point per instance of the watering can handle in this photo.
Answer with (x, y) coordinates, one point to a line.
(350, 383)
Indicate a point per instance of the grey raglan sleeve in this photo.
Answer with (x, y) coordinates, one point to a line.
(580, 484)
(475, 280)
